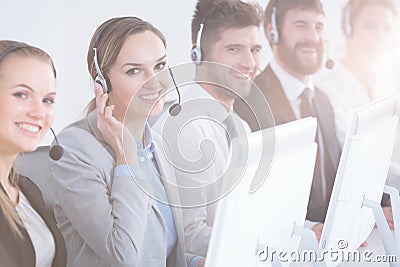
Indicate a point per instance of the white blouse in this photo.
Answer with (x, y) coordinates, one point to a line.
(40, 235)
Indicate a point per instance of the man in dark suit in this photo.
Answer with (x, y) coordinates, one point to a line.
(295, 31)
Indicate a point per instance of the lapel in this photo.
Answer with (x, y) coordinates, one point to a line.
(324, 113)
(275, 95)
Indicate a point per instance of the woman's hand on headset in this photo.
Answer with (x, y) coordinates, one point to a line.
(113, 130)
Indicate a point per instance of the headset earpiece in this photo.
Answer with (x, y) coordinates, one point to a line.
(196, 54)
(273, 35)
(100, 78)
(104, 82)
(348, 31)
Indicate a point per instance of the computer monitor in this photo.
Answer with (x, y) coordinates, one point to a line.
(361, 175)
(247, 220)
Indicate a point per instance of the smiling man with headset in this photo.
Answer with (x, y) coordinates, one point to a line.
(226, 49)
(295, 31)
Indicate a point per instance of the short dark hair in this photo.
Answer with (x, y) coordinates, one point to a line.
(283, 6)
(223, 14)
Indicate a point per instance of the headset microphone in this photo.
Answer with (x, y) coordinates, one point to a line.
(175, 109)
(56, 151)
(329, 63)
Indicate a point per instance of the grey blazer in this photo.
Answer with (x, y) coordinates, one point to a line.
(107, 220)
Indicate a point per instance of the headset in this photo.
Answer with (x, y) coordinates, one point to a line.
(273, 35)
(12, 48)
(100, 77)
(348, 31)
(56, 151)
(196, 54)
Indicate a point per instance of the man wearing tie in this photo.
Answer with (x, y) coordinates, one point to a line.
(295, 31)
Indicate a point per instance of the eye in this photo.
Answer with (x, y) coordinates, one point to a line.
(21, 95)
(133, 71)
(49, 100)
(233, 49)
(256, 50)
(160, 66)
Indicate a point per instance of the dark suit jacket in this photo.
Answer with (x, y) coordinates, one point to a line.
(17, 252)
(282, 112)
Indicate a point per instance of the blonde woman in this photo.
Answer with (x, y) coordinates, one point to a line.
(28, 234)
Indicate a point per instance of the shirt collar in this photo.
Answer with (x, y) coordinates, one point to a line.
(149, 145)
(291, 85)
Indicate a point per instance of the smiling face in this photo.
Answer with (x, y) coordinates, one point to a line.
(134, 78)
(301, 45)
(27, 94)
(239, 49)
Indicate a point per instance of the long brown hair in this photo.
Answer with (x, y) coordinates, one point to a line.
(108, 39)
(23, 50)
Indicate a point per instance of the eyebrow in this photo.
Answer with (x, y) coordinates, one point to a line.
(320, 23)
(138, 64)
(30, 88)
(240, 45)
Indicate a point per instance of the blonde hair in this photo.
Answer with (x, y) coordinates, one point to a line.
(8, 208)
(23, 50)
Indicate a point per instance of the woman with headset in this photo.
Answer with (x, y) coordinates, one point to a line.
(116, 205)
(360, 77)
(28, 234)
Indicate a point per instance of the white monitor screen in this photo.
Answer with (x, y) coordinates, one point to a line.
(362, 173)
(245, 219)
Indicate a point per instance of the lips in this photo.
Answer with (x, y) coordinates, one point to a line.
(151, 97)
(243, 76)
(32, 128)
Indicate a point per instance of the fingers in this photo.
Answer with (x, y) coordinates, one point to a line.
(108, 112)
(101, 99)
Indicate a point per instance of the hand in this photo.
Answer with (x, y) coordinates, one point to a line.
(387, 211)
(317, 229)
(113, 130)
(202, 262)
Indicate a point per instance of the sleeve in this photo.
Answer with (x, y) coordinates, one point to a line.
(197, 231)
(111, 218)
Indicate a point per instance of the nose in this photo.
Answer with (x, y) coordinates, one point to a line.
(36, 110)
(314, 35)
(249, 60)
(153, 80)
(151, 83)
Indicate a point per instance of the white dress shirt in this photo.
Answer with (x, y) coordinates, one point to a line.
(292, 87)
